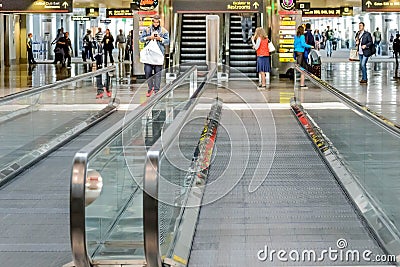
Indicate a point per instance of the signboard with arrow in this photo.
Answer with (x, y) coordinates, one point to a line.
(36, 6)
(119, 13)
(381, 5)
(221, 6)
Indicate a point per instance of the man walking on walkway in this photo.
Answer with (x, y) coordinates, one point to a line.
(364, 44)
(160, 34)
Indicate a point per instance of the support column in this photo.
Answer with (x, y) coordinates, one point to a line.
(8, 41)
(2, 41)
(212, 43)
(385, 37)
(137, 67)
(22, 40)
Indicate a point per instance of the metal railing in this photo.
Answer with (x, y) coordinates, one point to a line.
(55, 85)
(152, 174)
(27, 102)
(80, 168)
(376, 209)
(389, 125)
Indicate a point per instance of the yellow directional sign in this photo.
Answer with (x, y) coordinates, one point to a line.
(220, 6)
(381, 5)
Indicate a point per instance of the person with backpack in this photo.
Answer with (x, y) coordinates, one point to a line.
(377, 40)
(396, 51)
(87, 46)
(365, 48)
(299, 46)
(329, 34)
(309, 37)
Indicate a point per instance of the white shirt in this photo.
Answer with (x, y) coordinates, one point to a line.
(360, 36)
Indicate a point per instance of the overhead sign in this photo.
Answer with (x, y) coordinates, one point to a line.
(303, 5)
(119, 13)
(36, 6)
(322, 12)
(381, 5)
(144, 4)
(92, 12)
(221, 6)
(80, 18)
(105, 21)
(346, 11)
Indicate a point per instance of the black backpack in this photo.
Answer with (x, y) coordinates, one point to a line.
(396, 45)
(373, 50)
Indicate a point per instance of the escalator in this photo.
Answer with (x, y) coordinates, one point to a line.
(242, 56)
(193, 42)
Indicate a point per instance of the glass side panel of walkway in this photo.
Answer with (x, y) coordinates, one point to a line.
(107, 179)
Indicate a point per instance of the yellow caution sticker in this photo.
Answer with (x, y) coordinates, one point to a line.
(179, 259)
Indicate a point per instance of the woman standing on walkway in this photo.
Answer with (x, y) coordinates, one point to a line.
(260, 44)
(299, 46)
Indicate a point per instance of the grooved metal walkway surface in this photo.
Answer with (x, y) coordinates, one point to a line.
(298, 207)
(34, 211)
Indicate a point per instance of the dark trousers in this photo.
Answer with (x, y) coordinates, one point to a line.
(67, 57)
(30, 56)
(106, 51)
(153, 79)
(396, 71)
(88, 53)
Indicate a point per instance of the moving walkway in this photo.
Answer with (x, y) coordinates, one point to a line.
(225, 181)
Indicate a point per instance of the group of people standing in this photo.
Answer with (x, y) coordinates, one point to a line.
(63, 50)
(328, 39)
(366, 47)
(103, 43)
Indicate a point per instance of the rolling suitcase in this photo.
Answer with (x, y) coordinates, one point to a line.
(314, 61)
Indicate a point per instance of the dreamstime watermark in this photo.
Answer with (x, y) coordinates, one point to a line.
(333, 254)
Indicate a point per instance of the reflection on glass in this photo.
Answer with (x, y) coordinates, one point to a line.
(369, 151)
(114, 221)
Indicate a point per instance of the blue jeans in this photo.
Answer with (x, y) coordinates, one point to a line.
(378, 47)
(363, 66)
(246, 25)
(153, 80)
(328, 47)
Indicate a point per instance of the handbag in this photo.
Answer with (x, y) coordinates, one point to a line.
(151, 54)
(354, 55)
(271, 47)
